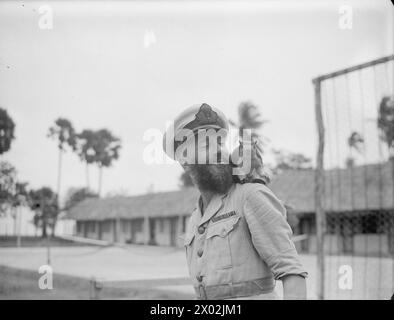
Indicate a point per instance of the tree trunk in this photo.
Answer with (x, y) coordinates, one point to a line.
(59, 174)
(391, 219)
(392, 176)
(100, 179)
(19, 219)
(13, 214)
(54, 227)
(44, 230)
(87, 176)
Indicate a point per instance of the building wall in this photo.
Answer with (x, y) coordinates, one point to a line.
(65, 227)
(371, 244)
(162, 231)
(169, 231)
(131, 231)
(138, 231)
(367, 233)
(166, 231)
(107, 230)
(332, 244)
(125, 235)
(362, 244)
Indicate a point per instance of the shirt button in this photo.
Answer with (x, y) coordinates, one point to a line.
(200, 252)
(199, 278)
(201, 229)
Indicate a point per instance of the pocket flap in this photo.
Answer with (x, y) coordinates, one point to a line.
(222, 228)
(188, 239)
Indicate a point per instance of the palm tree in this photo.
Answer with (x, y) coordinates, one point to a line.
(386, 127)
(107, 150)
(356, 141)
(85, 143)
(63, 131)
(7, 127)
(249, 117)
(99, 147)
(386, 123)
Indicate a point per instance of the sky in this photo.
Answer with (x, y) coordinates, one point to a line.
(133, 66)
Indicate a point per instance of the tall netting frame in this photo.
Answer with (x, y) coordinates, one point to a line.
(354, 181)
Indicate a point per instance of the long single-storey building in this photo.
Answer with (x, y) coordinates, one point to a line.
(359, 204)
(156, 219)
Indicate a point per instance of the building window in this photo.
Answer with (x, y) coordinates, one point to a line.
(370, 223)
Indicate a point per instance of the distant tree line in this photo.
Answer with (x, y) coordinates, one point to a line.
(98, 147)
(385, 125)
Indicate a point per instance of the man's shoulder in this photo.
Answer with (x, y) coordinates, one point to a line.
(257, 192)
(249, 188)
(241, 192)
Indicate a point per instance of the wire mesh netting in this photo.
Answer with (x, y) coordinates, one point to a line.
(357, 107)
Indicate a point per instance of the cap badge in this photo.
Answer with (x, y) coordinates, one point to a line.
(206, 115)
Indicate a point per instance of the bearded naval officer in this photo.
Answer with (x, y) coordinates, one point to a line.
(238, 242)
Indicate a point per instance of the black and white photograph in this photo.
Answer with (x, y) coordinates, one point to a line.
(223, 150)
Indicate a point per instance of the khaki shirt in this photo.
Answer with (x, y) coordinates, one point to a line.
(241, 244)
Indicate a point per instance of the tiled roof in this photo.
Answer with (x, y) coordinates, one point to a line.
(357, 188)
(163, 204)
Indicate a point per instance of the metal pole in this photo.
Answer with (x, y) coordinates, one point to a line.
(19, 220)
(91, 289)
(47, 237)
(95, 288)
(48, 250)
(319, 192)
(353, 68)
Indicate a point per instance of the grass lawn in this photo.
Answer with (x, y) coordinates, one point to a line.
(23, 284)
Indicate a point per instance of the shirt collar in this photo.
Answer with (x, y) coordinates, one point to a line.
(213, 207)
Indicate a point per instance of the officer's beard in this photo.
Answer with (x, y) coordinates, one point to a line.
(215, 178)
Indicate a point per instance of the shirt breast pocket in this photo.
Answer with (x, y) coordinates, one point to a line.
(188, 239)
(218, 243)
(187, 243)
